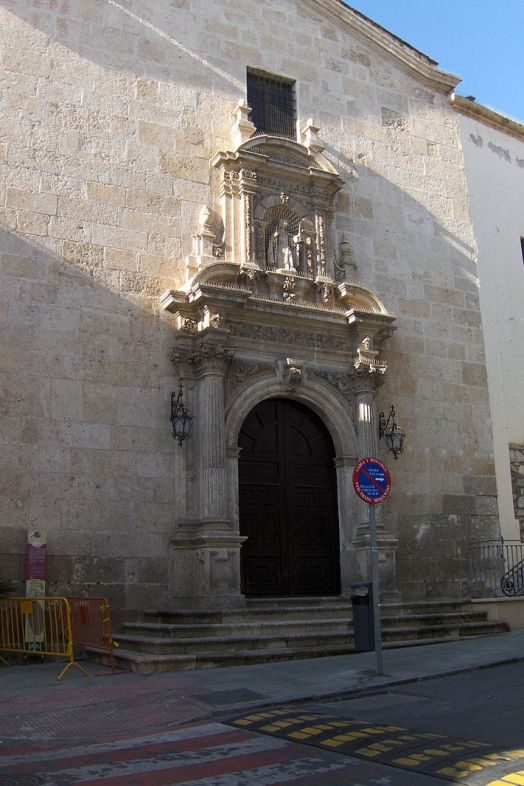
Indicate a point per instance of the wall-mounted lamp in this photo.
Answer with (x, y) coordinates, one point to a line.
(181, 418)
(393, 435)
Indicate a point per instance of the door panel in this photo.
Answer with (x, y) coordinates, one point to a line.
(287, 499)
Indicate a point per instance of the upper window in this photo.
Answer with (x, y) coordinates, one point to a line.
(272, 100)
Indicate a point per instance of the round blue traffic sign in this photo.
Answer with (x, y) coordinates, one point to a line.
(371, 480)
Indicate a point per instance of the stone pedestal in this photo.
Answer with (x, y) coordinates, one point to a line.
(205, 566)
(387, 547)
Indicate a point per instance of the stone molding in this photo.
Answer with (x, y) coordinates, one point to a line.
(406, 57)
(366, 381)
(316, 393)
(487, 116)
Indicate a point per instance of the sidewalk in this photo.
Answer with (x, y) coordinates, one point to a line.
(36, 707)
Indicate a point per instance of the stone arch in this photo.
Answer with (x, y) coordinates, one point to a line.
(324, 399)
(296, 152)
(336, 413)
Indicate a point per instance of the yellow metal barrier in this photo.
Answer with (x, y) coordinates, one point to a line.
(38, 626)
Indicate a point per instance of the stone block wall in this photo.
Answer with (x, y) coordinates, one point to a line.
(110, 114)
(516, 460)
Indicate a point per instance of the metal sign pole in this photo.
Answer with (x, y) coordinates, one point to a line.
(376, 587)
(372, 483)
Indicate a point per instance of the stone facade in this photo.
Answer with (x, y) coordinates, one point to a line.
(516, 458)
(129, 242)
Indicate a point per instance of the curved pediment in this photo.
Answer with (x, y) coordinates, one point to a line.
(359, 298)
(284, 288)
(287, 151)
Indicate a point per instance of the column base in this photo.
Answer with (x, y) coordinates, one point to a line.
(205, 566)
(387, 547)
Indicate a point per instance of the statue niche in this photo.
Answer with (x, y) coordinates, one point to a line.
(287, 241)
(268, 239)
(276, 202)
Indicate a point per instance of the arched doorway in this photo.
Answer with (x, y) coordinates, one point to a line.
(287, 502)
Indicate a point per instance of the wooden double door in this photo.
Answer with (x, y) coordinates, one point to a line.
(288, 503)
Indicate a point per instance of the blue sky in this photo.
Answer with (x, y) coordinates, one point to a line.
(478, 40)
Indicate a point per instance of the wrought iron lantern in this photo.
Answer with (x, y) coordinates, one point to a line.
(181, 418)
(392, 433)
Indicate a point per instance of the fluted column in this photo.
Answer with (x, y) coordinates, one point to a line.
(247, 190)
(211, 366)
(366, 420)
(364, 385)
(205, 564)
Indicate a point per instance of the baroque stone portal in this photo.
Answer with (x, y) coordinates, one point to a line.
(266, 311)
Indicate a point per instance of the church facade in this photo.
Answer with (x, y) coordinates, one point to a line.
(266, 205)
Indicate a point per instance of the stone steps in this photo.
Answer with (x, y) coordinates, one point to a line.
(145, 663)
(302, 609)
(269, 630)
(273, 626)
(195, 645)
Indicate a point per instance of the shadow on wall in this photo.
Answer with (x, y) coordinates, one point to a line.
(116, 35)
(85, 373)
(85, 380)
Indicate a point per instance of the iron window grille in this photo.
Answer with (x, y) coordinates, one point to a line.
(272, 100)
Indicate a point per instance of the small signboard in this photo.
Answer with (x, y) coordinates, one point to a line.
(371, 480)
(35, 587)
(36, 555)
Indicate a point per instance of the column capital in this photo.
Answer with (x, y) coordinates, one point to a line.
(206, 357)
(366, 381)
(212, 359)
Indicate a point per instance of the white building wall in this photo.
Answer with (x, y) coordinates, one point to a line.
(494, 162)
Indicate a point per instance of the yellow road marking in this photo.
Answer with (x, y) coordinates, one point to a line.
(406, 762)
(516, 778)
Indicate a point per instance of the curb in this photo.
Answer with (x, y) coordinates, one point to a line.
(369, 690)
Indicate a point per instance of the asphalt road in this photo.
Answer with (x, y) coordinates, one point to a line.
(487, 705)
(466, 729)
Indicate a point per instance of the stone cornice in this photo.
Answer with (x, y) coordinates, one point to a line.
(405, 56)
(487, 116)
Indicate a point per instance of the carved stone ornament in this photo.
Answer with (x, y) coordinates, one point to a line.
(240, 371)
(342, 382)
(367, 358)
(291, 373)
(366, 381)
(288, 288)
(189, 326)
(276, 196)
(287, 336)
(211, 358)
(263, 266)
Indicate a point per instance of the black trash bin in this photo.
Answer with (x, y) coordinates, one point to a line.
(363, 618)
